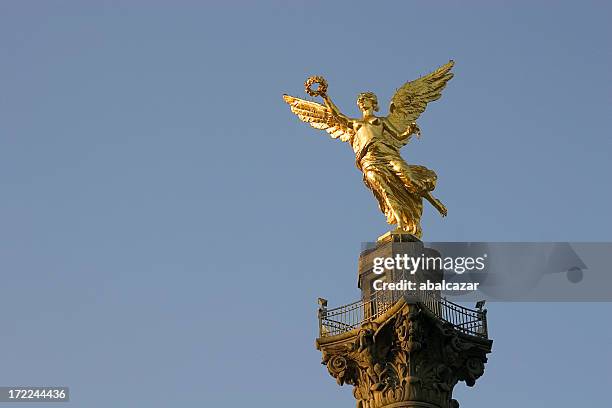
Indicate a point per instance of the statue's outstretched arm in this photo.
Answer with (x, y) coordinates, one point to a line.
(413, 128)
(336, 112)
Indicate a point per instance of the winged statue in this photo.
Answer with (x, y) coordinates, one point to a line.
(398, 186)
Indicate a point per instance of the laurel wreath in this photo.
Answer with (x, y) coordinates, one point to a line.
(321, 89)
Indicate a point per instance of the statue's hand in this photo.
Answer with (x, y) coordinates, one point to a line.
(415, 129)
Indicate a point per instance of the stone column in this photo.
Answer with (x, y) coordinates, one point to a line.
(407, 356)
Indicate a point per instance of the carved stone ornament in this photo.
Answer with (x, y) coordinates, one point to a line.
(406, 358)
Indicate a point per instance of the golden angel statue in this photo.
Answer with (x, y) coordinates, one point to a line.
(376, 141)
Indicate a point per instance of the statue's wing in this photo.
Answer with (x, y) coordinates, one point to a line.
(319, 117)
(412, 98)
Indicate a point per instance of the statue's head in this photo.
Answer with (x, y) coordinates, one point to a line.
(367, 100)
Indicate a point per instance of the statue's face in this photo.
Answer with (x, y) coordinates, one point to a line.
(366, 102)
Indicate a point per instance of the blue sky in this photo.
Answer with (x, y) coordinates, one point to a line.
(166, 224)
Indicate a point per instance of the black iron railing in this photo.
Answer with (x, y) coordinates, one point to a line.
(348, 317)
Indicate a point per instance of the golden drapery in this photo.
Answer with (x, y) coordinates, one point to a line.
(397, 186)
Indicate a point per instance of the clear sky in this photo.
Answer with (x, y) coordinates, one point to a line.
(166, 224)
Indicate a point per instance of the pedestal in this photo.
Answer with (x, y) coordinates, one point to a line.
(400, 352)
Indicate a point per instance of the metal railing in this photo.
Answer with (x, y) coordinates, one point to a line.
(348, 317)
(468, 321)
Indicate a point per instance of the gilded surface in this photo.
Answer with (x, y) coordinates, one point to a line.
(399, 187)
